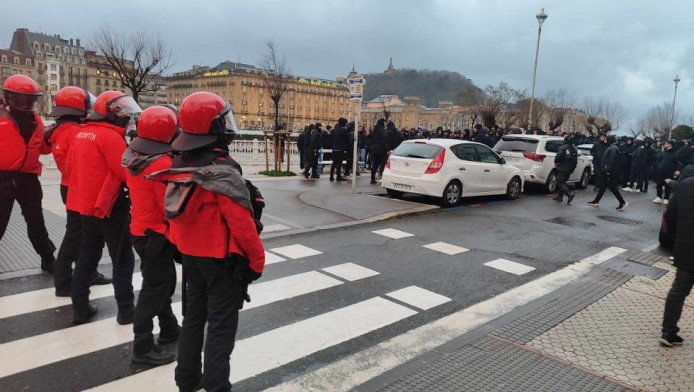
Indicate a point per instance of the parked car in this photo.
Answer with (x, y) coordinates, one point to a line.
(534, 155)
(450, 169)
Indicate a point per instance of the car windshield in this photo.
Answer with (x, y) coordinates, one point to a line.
(516, 144)
(417, 150)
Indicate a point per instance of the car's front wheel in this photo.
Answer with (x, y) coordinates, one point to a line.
(394, 194)
(513, 189)
(551, 184)
(452, 194)
(585, 179)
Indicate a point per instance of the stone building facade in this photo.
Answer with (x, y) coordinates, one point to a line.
(307, 100)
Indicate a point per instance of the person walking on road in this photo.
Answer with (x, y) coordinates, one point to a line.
(300, 145)
(598, 152)
(21, 143)
(379, 148)
(666, 170)
(313, 148)
(611, 175)
(211, 222)
(72, 105)
(339, 145)
(97, 193)
(150, 152)
(680, 212)
(565, 161)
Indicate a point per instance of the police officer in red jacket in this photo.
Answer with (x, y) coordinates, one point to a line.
(21, 143)
(150, 152)
(96, 192)
(211, 223)
(72, 105)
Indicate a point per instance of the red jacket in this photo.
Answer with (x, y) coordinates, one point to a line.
(60, 141)
(96, 175)
(147, 198)
(15, 154)
(213, 225)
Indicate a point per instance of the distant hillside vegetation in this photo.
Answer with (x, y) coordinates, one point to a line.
(430, 86)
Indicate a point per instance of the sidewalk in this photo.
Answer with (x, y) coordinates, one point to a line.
(597, 334)
(293, 205)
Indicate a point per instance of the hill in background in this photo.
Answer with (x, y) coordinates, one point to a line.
(430, 86)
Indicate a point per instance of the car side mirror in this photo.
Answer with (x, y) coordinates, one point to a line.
(502, 161)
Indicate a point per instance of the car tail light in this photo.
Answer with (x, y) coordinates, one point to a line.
(388, 163)
(535, 157)
(436, 164)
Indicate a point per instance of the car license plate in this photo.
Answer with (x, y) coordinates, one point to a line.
(403, 187)
(510, 159)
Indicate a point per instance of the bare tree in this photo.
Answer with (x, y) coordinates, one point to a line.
(497, 99)
(559, 103)
(658, 121)
(604, 115)
(275, 75)
(137, 58)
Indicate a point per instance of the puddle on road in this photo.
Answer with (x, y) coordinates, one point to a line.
(618, 220)
(571, 222)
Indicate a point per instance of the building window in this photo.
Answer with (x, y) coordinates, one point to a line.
(57, 49)
(98, 90)
(36, 45)
(54, 87)
(28, 62)
(243, 88)
(106, 83)
(98, 82)
(54, 67)
(4, 59)
(47, 47)
(98, 72)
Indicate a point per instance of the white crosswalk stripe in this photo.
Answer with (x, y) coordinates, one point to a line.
(446, 248)
(34, 301)
(510, 266)
(296, 251)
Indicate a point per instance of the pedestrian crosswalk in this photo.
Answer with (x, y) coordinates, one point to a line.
(362, 301)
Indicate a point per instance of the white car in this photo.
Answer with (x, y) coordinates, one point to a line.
(585, 150)
(534, 155)
(449, 169)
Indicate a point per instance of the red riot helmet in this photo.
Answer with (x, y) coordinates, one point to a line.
(72, 101)
(156, 129)
(116, 108)
(204, 118)
(21, 93)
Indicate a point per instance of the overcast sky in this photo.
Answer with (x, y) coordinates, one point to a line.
(626, 51)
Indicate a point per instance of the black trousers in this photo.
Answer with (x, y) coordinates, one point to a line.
(301, 158)
(311, 163)
(562, 188)
(158, 285)
(597, 176)
(378, 159)
(661, 188)
(115, 233)
(610, 181)
(69, 248)
(338, 157)
(25, 188)
(681, 287)
(213, 297)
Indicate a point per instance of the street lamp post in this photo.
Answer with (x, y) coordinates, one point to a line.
(674, 99)
(540, 20)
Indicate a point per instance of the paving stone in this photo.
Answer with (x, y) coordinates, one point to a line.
(624, 327)
(488, 364)
(658, 288)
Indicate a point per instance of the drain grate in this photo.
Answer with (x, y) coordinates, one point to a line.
(560, 220)
(630, 267)
(618, 220)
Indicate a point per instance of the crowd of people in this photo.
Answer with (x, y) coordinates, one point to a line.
(172, 194)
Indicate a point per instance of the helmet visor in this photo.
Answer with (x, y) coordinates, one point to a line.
(229, 120)
(20, 102)
(91, 99)
(124, 106)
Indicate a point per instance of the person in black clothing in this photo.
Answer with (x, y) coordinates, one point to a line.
(685, 155)
(313, 147)
(680, 213)
(565, 161)
(638, 166)
(379, 148)
(349, 156)
(481, 136)
(339, 146)
(300, 143)
(626, 150)
(611, 175)
(598, 152)
(666, 170)
(393, 135)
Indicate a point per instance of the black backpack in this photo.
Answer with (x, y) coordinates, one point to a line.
(257, 203)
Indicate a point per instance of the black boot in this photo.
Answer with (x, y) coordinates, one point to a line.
(558, 198)
(99, 280)
(81, 316)
(570, 198)
(125, 316)
(156, 356)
